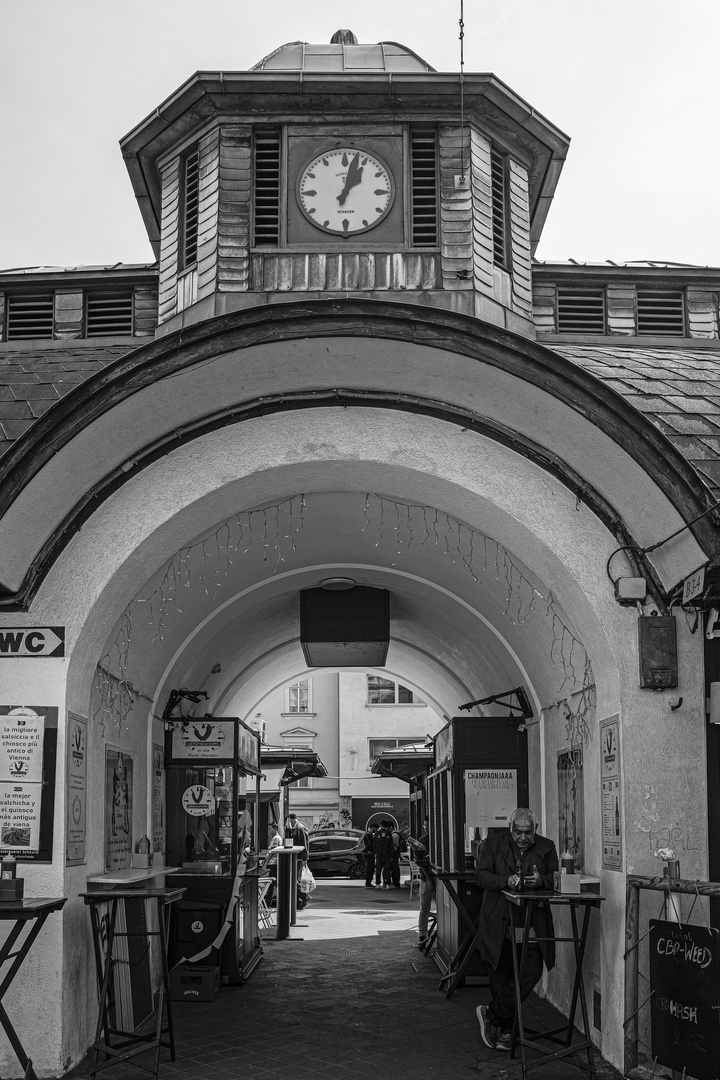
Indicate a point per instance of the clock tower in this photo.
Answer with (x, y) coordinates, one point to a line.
(344, 170)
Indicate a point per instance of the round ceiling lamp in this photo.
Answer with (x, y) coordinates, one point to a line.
(337, 584)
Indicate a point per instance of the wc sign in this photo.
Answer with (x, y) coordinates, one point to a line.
(32, 641)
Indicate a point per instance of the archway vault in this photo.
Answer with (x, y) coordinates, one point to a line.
(359, 356)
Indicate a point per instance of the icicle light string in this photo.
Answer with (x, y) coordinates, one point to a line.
(210, 560)
(479, 554)
(275, 529)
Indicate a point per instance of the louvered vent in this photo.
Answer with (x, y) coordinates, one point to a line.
(266, 189)
(30, 315)
(498, 167)
(581, 311)
(191, 201)
(660, 313)
(109, 313)
(423, 163)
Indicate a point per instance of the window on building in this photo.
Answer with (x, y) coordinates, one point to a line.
(190, 208)
(30, 315)
(298, 696)
(581, 311)
(266, 188)
(424, 187)
(377, 746)
(109, 312)
(304, 781)
(661, 313)
(386, 692)
(500, 194)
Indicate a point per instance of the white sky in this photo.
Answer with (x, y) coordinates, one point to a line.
(635, 83)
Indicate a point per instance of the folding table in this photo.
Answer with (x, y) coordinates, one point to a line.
(466, 948)
(33, 910)
(524, 902)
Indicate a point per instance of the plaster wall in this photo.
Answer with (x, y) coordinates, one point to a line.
(360, 722)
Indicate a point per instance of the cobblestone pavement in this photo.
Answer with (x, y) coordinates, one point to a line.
(346, 996)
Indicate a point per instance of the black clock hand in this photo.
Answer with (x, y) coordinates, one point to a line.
(354, 176)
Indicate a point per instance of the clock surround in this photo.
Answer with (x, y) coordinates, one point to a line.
(346, 190)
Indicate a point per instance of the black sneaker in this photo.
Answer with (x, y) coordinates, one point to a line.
(488, 1031)
(503, 1041)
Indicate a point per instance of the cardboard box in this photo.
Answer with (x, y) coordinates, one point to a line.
(566, 883)
(195, 982)
(11, 890)
(574, 884)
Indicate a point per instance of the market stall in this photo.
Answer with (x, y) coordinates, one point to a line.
(210, 840)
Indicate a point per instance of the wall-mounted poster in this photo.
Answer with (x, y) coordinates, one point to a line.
(118, 809)
(158, 797)
(571, 818)
(28, 742)
(76, 773)
(490, 798)
(612, 855)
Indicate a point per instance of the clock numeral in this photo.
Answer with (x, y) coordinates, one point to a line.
(378, 174)
(311, 209)
(312, 194)
(325, 224)
(364, 161)
(346, 224)
(378, 192)
(310, 175)
(378, 209)
(325, 161)
(364, 222)
(344, 159)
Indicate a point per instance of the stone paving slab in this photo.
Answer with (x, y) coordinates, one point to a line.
(341, 1000)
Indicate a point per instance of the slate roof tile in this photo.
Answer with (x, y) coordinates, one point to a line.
(691, 423)
(37, 391)
(14, 410)
(13, 429)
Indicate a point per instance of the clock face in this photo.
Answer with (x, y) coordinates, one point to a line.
(345, 191)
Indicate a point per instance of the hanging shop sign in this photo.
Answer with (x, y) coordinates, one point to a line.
(367, 811)
(206, 740)
(685, 985)
(490, 798)
(28, 743)
(32, 641)
(610, 774)
(118, 809)
(76, 797)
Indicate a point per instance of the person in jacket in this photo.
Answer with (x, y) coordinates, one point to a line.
(504, 859)
(369, 852)
(383, 855)
(297, 832)
(420, 854)
(398, 848)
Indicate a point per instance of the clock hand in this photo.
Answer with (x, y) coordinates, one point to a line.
(354, 176)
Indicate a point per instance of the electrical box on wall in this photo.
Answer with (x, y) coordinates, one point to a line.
(657, 644)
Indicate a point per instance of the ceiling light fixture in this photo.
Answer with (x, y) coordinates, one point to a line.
(337, 584)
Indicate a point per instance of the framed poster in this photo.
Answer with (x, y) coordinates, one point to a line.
(571, 818)
(118, 809)
(28, 749)
(76, 794)
(611, 795)
(158, 779)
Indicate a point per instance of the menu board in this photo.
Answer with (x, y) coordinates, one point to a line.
(158, 797)
(22, 737)
(685, 984)
(611, 794)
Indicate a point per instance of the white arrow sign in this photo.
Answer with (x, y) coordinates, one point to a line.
(32, 641)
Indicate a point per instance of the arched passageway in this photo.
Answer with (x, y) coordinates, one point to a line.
(191, 492)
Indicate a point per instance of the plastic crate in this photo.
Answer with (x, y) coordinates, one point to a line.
(195, 982)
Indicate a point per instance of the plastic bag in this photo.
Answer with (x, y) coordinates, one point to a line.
(307, 881)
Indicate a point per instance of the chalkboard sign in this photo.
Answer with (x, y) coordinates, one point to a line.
(686, 993)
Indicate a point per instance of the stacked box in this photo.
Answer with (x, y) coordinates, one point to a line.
(195, 982)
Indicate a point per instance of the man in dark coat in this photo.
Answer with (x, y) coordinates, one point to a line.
(504, 859)
(369, 852)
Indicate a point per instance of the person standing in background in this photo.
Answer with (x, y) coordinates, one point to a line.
(383, 855)
(420, 852)
(369, 852)
(398, 848)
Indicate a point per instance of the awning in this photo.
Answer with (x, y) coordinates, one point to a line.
(408, 763)
(269, 785)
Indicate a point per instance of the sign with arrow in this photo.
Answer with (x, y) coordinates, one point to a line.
(32, 641)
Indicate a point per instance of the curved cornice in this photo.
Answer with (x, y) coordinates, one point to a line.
(445, 331)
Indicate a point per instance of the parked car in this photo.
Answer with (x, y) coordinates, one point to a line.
(338, 852)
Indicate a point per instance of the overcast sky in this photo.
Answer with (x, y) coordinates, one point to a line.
(634, 83)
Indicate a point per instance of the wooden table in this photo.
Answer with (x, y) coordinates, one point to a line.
(524, 902)
(106, 934)
(32, 910)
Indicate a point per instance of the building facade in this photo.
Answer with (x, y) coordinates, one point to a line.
(347, 362)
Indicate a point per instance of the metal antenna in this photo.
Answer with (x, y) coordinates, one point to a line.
(462, 91)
